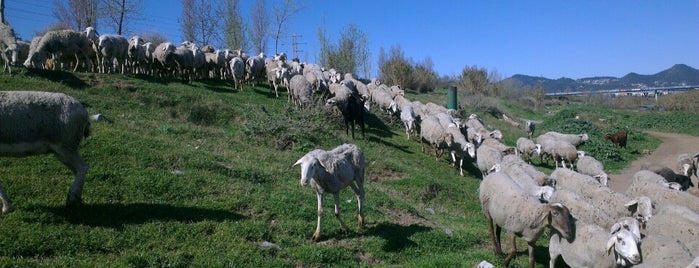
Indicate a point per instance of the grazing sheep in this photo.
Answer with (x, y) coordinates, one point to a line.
(8, 43)
(184, 61)
(63, 42)
(574, 139)
(564, 151)
(433, 134)
(488, 159)
(384, 100)
(351, 107)
(663, 251)
(618, 139)
(500, 146)
(255, 68)
(163, 58)
(507, 206)
(592, 246)
(527, 147)
(331, 171)
(43, 122)
(648, 183)
(512, 165)
(407, 116)
(588, 165)
(678, 222)
(686, 165)
(473, 135)
(530, 127)
(301, 91)
(613, 203)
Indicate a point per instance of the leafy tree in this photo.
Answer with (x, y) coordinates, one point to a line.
(473, 80)
(395, 69)
(351, 54)
(235, 31)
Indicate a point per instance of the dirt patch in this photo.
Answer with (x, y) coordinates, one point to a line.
(407, 218)
(673, 144)
(384, 174)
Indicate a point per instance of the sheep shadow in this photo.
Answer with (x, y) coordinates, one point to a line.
(64, 77)
(117, 215)
(376, 126)
(396, 236)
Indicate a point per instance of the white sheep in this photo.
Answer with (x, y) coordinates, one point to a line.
(137, 55)
(238, 72)
(664, 251)
(488, 159)
(163, 58)
(255, 68)
(574, 139)
(513, 166)
(563, 151)
(300, 91)
(44, 122)
(507, 206)
(407, 116)
(593, 246)
(678, 222)
(695, 262)
(383, 99)
(613, 203)
(647, 183)
(433, 134)
(62, 42)
(331, 171)
(500, 146)
(8, 43)
(588, 165)
(111, 47)
(526, 148)
(460, 146)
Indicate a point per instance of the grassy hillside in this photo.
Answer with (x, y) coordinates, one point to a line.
(199, 175)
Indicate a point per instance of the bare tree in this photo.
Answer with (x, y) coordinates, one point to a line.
(259, 21)
(77, 14)
(117, 14)
(198, 22)
(283, 11)
(234, 34)
(188, 19)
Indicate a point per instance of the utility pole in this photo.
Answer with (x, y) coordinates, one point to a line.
(294, 44)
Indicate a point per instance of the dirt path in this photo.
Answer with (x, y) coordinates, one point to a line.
(666, 154)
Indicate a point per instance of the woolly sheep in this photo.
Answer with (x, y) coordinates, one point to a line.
(42, 122)
(331, 171)
(111, 47)
(255, 68)
(507, 206)
(574, 139)
(678, 222)
(563, 151)
(433, 134)
(407, 116)
(274, 79)
(592, 246)
(238, 72)
(384, 100)
(512, 165)
(402, 102)
(695, 262)
(488, 159)
(500, 146)
(300, 90)
(660, 194)
(460, 146)
(527, 147)
(432, 108)
(198, 60)
(613, 203)
(163, 57)
(663, 251)
(216, 64)
(683, 182)
(67, 42)
(686, 165)
(473, 135)
(588, 165)
(136, 54)
(184, 62)
(8, 43)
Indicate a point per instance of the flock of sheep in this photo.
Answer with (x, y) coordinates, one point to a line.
(592, 225)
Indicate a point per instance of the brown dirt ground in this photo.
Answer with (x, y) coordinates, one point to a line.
(666, 154)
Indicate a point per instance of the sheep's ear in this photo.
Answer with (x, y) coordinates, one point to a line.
(544, 217)
(610, 244)
(298, 162)
(615, 228)
(632, 205)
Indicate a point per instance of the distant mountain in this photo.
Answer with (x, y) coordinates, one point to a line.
(677, 75)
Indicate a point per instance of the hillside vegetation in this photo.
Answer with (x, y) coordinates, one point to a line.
(200, 175)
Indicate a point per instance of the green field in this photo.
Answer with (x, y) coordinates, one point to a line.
(200, 175)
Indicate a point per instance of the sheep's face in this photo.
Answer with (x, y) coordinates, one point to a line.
(471, 149)
(629, 224)
(309, 165)
(537, 149)
(625, 246)
(560, 220)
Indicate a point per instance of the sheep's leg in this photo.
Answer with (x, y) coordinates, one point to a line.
(316, 234)
(75, 163)
(453, 158)
(359, 193)
(530, 246)
(496, 242)
(336, 198)
(513, 250)
(461, 166)
(6, 204)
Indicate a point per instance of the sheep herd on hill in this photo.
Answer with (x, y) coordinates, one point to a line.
(591, 225)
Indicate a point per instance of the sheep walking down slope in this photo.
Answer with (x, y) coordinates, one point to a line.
(42, 122)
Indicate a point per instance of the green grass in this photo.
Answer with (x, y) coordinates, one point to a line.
(199, 175)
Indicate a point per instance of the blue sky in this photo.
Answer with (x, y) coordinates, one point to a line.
(553, 39)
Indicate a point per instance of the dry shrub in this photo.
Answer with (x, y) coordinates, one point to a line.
(681, 101)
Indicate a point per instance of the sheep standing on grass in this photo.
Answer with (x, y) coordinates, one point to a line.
(507, 206)
(588, 165)
(8, 43)
(407, 116)
(111, 47)
(526, 148)
(41, 122)
(238, 72)
(63, 42)
(351, 107)
(433, 134)
(300, 91)
(331, 171)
